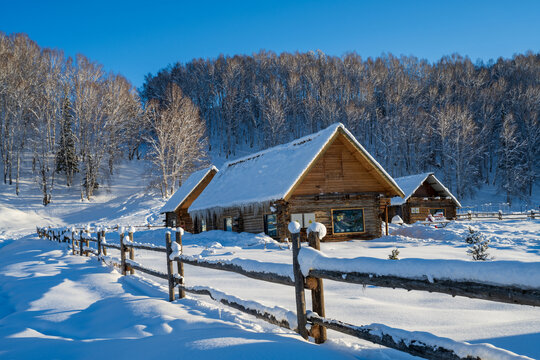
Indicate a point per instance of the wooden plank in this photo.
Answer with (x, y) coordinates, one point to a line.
(474, 290)
(258, 275)
(152, 272)
(146, 247)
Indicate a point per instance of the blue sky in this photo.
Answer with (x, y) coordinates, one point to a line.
(136, 37)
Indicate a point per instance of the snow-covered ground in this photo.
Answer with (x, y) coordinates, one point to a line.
(64, 306)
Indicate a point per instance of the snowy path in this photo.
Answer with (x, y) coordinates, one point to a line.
(55, 305)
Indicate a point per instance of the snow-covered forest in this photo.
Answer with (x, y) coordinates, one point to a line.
(67, 120)
(470, 123)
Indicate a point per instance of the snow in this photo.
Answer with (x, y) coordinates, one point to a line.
(128, 316)
(294, 227)
(270, 174)
(58, 306)
(409, 184)
(186, 189)
(318, 228)
(397, 220)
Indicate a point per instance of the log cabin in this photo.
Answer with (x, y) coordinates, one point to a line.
(176, 208)
(424, 195)
(326, 177)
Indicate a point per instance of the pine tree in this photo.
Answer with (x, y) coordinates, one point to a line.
(66, 157)
(479, 245)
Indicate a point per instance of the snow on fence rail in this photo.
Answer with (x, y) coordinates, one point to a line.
(520, 285)
(498, 215)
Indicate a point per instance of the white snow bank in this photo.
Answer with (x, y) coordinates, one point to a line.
(506, 273)
(462, 349)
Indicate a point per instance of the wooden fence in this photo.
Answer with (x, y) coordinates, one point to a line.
(498, 215)
(433, 348)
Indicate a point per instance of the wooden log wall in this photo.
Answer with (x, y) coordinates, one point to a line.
(424, 207)
(322, 207)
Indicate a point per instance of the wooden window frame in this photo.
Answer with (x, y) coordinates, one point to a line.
(348, 233)
(265, 224)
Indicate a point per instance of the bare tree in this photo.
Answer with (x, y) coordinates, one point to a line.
(177, 141)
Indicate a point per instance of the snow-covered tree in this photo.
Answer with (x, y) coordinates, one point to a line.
(66, 157)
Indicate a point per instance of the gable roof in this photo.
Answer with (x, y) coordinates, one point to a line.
(272, 174)
(409, 184)
(183, 192)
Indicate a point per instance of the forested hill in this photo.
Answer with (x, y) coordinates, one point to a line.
(470, 123)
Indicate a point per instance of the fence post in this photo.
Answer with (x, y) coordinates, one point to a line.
(80, 243)
(131, 251)
(122, 253)
(99, 243)
(317, 294)
(73, 240)
(532, 214)
(294, 229)
(180, 264)
(500, 214)
(103, 248)
(87, 242)
(169, 265)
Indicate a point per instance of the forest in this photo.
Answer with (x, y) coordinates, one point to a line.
(66, 120)
(470, 123)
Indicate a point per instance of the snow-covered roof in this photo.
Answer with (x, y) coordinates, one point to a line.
(409, 184)
(271, 174)
(192, 182)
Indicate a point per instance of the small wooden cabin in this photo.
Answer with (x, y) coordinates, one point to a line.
(424, 195)
(176, 208)
(326, 177)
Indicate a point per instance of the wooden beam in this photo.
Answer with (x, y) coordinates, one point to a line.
(504, 294)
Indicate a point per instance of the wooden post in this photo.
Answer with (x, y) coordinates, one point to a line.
(87, 242)
(103, 248)
(73, 241)
(99, 244)
(80, 243)
(386, 220)
(169, 265)
(180, 265)
(122, 253)
(317, 294)
(299, 287)
(532, 214)
(131, 251)
(500, 215)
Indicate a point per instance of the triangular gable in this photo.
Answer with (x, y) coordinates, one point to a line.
(187, 188)
(410, 184)
(272, 174)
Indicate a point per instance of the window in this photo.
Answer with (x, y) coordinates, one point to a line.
(435, 211)
(270, 225)
(415, 210)
(227, 223)
(345, 221)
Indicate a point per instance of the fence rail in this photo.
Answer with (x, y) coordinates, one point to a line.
(436, 348)
(498, 215)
